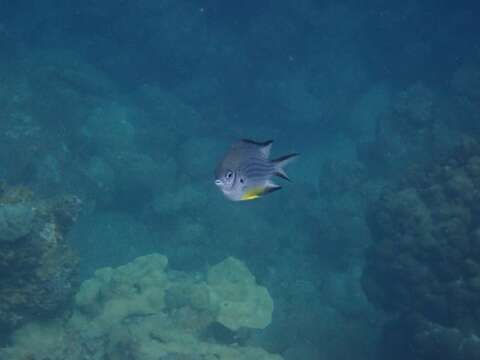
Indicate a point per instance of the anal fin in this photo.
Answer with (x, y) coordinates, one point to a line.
(271, 187)
(257, 192)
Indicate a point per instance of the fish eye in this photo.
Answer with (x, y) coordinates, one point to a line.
(229, 174)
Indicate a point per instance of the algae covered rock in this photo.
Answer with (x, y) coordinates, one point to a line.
(144, 311)
(37, 266)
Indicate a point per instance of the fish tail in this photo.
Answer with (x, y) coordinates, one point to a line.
(283, 161)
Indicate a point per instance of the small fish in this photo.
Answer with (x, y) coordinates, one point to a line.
(245, 172)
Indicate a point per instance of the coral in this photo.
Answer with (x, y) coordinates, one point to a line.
(410, 127)
(413, 117)
(466, 97)
(16, 221)
(424, 259)
(415, 105)
(241, 302)
(429, 341)
(37, 267)
(143, 311)
(109, 127)
(135, 289)
(41, 134)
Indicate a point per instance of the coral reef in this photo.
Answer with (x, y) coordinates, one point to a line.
(16, 221)
(427, 340)
(37, 267)
(136, 136)
(424, 260)
(466, 97)
(415, 106)
(142, 311)
(41, 134)
(407, 128)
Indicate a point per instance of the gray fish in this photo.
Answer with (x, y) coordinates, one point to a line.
(245, 172)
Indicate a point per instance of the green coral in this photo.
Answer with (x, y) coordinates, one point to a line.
(241, 302)
(146, 311)
(135, 289)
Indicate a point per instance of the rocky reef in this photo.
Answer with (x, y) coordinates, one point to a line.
(423, 264)
(37, 267)
(144, 311)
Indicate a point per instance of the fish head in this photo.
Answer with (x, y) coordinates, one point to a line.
(224, 177)
(230, 182)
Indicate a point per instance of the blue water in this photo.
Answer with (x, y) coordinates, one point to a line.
(130, 105)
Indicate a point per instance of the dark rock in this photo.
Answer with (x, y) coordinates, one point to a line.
(423, 259)
(38, 269)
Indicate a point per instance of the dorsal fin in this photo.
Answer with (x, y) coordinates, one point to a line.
(265, 146)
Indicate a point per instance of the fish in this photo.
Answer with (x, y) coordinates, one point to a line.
(245, 172)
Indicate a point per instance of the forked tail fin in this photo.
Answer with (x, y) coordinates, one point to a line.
(281, 162)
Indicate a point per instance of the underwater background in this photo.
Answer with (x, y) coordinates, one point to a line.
(113, 118)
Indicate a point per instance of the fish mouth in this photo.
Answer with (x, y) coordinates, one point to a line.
(218, 182)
